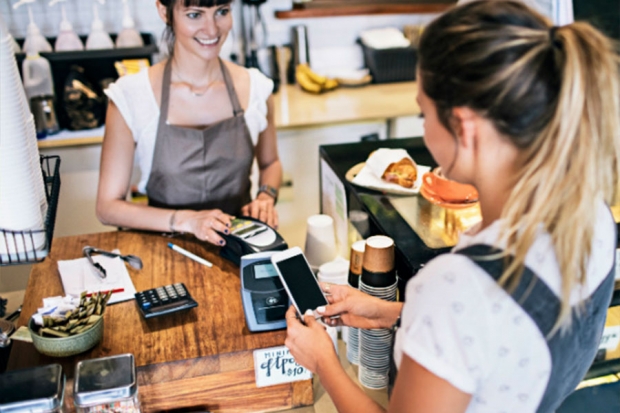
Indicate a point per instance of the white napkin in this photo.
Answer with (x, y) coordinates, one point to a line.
(368, 179)
(387, 38)
(376, 164)
(79, 275)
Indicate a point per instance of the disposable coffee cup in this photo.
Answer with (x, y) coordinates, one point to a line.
(320, 240)
(378, 264)
(334, 272)
(356, 261)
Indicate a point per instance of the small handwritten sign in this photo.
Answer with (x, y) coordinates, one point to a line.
(611, 338)
(275, 365)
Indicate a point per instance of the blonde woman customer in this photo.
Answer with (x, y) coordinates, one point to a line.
(510, 321)
(195, 123)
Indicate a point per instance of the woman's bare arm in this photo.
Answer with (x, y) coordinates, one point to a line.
(270, 169)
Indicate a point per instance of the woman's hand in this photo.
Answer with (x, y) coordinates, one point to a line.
(357, 309)
(262, 208)
(309, 344)
(205, 224)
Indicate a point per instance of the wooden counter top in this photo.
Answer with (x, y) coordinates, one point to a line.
(200, 359)
(295, 108)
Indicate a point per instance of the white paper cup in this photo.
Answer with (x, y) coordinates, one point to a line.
(320, 240)
(335, 272)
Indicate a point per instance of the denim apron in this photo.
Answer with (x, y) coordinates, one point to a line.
(201, 168)
(573, 352)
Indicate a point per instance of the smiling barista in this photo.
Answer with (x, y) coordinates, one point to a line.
(196, 123)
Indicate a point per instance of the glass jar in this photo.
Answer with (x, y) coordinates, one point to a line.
(37, 390)
(106, 385)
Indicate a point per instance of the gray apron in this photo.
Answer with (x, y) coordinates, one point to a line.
(201, 168)
(572, 353)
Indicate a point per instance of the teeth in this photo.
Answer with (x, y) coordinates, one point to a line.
(207, 42)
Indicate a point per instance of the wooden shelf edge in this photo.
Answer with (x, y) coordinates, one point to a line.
(61, 143)
(362, 10)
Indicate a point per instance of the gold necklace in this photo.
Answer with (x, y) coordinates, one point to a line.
(191, 86)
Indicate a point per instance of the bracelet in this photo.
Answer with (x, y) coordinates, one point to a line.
(172, 219)
(269, 190)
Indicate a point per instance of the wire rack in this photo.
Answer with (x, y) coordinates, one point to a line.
(23, 242)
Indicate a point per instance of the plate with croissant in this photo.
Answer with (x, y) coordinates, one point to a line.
(390, 171)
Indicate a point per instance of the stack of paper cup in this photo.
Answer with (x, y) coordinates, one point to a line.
(352, 334)
(335, 272)
(320, 241)
(379, 280)
(22, 195)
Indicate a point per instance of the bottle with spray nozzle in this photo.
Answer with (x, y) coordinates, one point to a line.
(67, 39)
(129, 36)
(34, 39)
(98, 37)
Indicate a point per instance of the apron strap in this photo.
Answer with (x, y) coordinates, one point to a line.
(230, 87)
(165, 92)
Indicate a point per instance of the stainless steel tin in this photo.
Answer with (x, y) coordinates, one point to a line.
(301, 52)
(105, 380)
(38, 389)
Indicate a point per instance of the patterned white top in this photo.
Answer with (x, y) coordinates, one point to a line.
(134, 97)
(458, 323)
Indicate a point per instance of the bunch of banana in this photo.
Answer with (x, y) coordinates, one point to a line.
(313, 82)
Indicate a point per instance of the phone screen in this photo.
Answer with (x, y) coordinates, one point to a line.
(301, 283)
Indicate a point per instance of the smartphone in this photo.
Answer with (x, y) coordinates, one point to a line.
(300, 283)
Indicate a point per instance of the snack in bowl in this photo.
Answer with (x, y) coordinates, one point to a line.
(394, 166)
(72, 327)
(448, 190)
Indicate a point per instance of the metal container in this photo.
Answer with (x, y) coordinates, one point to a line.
(45, 120)
(301, 52)
(37, 390)
(106, 384)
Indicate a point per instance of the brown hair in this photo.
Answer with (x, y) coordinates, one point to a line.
(168, 35)
(555, 93)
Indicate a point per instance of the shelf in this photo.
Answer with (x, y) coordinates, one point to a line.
(24, 241)
(309, 10)
(146, 51)
(98, 65)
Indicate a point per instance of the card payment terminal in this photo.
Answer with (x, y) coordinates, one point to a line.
(264, 298)
(247, 236)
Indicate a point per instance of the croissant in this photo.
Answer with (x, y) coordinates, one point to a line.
(403, 173)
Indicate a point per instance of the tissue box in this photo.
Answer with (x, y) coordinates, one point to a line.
(391, 65)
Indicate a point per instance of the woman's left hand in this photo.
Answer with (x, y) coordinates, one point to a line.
(309, 344)
(263, 209)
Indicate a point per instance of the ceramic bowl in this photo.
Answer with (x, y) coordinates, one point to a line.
(447, 189)
(67, 346)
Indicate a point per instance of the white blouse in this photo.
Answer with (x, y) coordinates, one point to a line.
(134, 97)
(462, 326)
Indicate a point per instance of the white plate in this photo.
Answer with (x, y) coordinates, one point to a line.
(362, 176)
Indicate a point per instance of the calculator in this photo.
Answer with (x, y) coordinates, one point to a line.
(164, 300)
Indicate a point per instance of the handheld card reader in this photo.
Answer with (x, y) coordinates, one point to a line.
(264, 298)
(248, 236)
